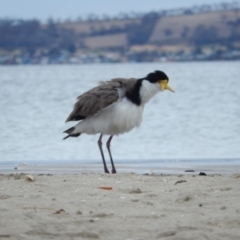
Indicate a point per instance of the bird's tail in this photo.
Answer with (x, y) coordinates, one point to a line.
(70, 133)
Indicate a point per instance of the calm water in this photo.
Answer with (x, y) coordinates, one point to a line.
(201, 120)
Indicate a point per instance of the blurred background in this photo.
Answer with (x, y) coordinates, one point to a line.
(52, 51)
(137, 31)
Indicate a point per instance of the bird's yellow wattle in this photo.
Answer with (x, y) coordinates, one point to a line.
(164, 85)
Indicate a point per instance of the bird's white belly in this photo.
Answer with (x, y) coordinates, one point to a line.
(118, 118)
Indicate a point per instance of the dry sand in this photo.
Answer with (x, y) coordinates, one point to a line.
(138, 206)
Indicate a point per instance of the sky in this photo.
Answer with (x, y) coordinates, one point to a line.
(64, 9)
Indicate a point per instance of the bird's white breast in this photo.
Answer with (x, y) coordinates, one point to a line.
(118, 118)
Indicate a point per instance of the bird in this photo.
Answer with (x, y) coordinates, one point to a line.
(114, 107)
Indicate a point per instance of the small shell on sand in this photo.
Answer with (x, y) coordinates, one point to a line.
(29, 178)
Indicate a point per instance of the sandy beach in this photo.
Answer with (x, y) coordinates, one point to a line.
(119, 206)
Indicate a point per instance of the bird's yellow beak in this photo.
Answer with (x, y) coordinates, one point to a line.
(164, 85)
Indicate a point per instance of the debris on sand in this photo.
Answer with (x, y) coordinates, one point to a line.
(105, 188)
(180, 181)
(59, 211)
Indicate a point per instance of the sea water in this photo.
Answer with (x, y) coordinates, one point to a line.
(199, 122)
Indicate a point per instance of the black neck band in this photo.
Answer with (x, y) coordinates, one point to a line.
(134, 94)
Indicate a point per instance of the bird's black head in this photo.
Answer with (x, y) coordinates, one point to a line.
(156, 76)
(147, 87)
(160, 78)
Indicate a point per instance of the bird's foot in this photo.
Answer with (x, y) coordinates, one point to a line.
(114, 170)
(106, 170)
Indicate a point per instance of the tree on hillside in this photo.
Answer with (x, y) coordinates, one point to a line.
(30, 35)
(235, 29)
(140, 33)
(205, 35)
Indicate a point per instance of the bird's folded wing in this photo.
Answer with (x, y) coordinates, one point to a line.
(95, 100)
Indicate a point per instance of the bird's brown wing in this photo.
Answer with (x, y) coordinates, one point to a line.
(94, 100)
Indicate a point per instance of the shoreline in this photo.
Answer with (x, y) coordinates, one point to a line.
(172, 168)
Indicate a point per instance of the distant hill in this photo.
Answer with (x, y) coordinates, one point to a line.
(210, 30)
(202, 28)
(221, 27)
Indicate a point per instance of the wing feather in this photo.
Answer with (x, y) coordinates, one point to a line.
(96, 99)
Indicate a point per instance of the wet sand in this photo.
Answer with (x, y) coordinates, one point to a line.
(153, 206)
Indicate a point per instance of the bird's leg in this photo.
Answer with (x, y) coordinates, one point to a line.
(109, 151)
(100, 147)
